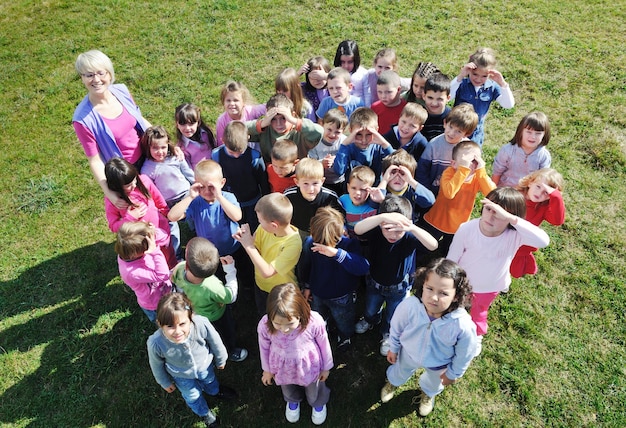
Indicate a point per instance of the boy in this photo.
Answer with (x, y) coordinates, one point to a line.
(358, 203)
(280, 123)
(458, 125)
(460, 183)
(282, 170)
(436, 97)
(209, 296)
(244, 170)
(364, 145)
(308, 195)
(406, 135)
(339, 86)
(389, 105)
(334, 122)
(274, 248)
(399, 170)
(391, 256)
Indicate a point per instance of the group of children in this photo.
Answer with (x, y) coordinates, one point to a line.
(338, 181)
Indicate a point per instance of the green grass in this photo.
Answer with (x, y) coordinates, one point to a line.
(72, 339)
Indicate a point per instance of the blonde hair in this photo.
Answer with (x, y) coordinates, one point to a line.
(94, 60)
(416, 112)
(341, 73)
(132, 239)
(551, 176)
(236, 136)
(309, 168)
(289, 81)
(400, 157)
(363, 173)
(363, 117)
(232, 86)
(207, 167)
(284, 150)
(275, 207)
(389, 54)
(483, 58)
(327, 226)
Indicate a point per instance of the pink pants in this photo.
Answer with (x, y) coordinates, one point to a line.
(480, 307)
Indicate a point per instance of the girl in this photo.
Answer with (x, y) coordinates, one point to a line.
(432, 329)
(525, 153)
(183, 353)
(238, 105)
(295, 352)
(423, 71)
(172, 176)
(544, 201)
(330, 267)
(195, 138)
(385, 59)
(485, 247)
(314, 89)
(288, 83)
(348, 57)
(143, 199)
(142, 265)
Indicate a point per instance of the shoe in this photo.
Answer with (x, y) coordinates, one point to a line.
(384, 345)
(318, 418)
(292, 416)
(226, 393)
(387, 392)
(344, 345)
(362, 326)
(426, 405)
(238, 355)
(211, 421)
(479, 346)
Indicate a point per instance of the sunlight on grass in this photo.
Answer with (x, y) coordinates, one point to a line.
(104, 324)
(22, 317)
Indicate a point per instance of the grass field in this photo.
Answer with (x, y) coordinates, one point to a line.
(72, 339)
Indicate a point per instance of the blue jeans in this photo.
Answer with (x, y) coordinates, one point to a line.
(191, 389)
(376, 295)
(342, 311)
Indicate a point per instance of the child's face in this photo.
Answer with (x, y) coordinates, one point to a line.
(178, 332)
(472, 154)
(338, 90)
(233, 104)
(490, 223)
(388, 94)
(363, 138)
(158, 149)
(408, 127)
(280, 124)
(383, 64)
(283, 168)
(316, 82)
(478, 76)
(398, 181)
(358, 191)
(347, 62)
(391, 233)
(438, 294)
(210, 182)
(309, 187)
(531, 139)
(418, 87)
(285, 325)
(436, 101)
(453, 135)
(537, 192)
(128, 188)
(332, 132)
(187, 129)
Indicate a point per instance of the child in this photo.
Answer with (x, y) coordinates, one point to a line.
(210, 297)
(183, 353)
(144, 202)
(281, 172)
(195, 138)
(281, 123)
(391, 256)
(526, 152)
(415, 92)
(334, 122)
(460, 183)
(389, 105)
(329, 269)
(348, 57)
(436, 97)
(274, 248)
(243, 169)
(288, 83)
(432, 329)
(385, 59)
(314, 89)
(295, 352)
(479, 84)
(142, 265)
(364, 145)
(544, 201)
(339, 87)
(398, 171)
(437, 156)
(357, 203)
(308, 194)
(238, 105)
(484, 247)
(406, 134)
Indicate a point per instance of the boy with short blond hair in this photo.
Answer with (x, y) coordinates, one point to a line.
(358, 203)
(334, 122)
(459, 125)
(406, 134)
(339, 85)
(274, 248)
(282, 170)
(389, 105)
(436, 97)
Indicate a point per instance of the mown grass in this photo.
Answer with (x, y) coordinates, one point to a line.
(72, 338)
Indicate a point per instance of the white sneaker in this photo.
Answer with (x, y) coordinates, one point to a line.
(362, 326)
(426, 405)
(384, 345)
(318, 418)
(292, 416)
(386, 394)
(479, 346)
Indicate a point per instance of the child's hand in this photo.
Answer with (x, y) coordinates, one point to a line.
(267, 378)
(547, 188)
(288, 115)
(178, 152)
(324, 250)
(377, 138)
(465, 159)
(467, 68)
(221, 367)
(497, 77)
(501, 213)
(396, 222)
(194, 190)
(304, 69)
(170, 388)
(244, 235)
(328, 161)
(227, 260)
(318, 74)
(137, 212)
(267, 119)
(392, 357)
(479, 162)
(445, 381)
(307, 294)
(151, 239)
(324, 375)
(351, 137)
(376, 194)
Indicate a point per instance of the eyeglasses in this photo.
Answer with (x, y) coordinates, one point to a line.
(90, 76)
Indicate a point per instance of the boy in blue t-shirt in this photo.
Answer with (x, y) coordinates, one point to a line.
(339, 85)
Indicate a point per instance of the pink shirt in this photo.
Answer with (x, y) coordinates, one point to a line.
(148, 276)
